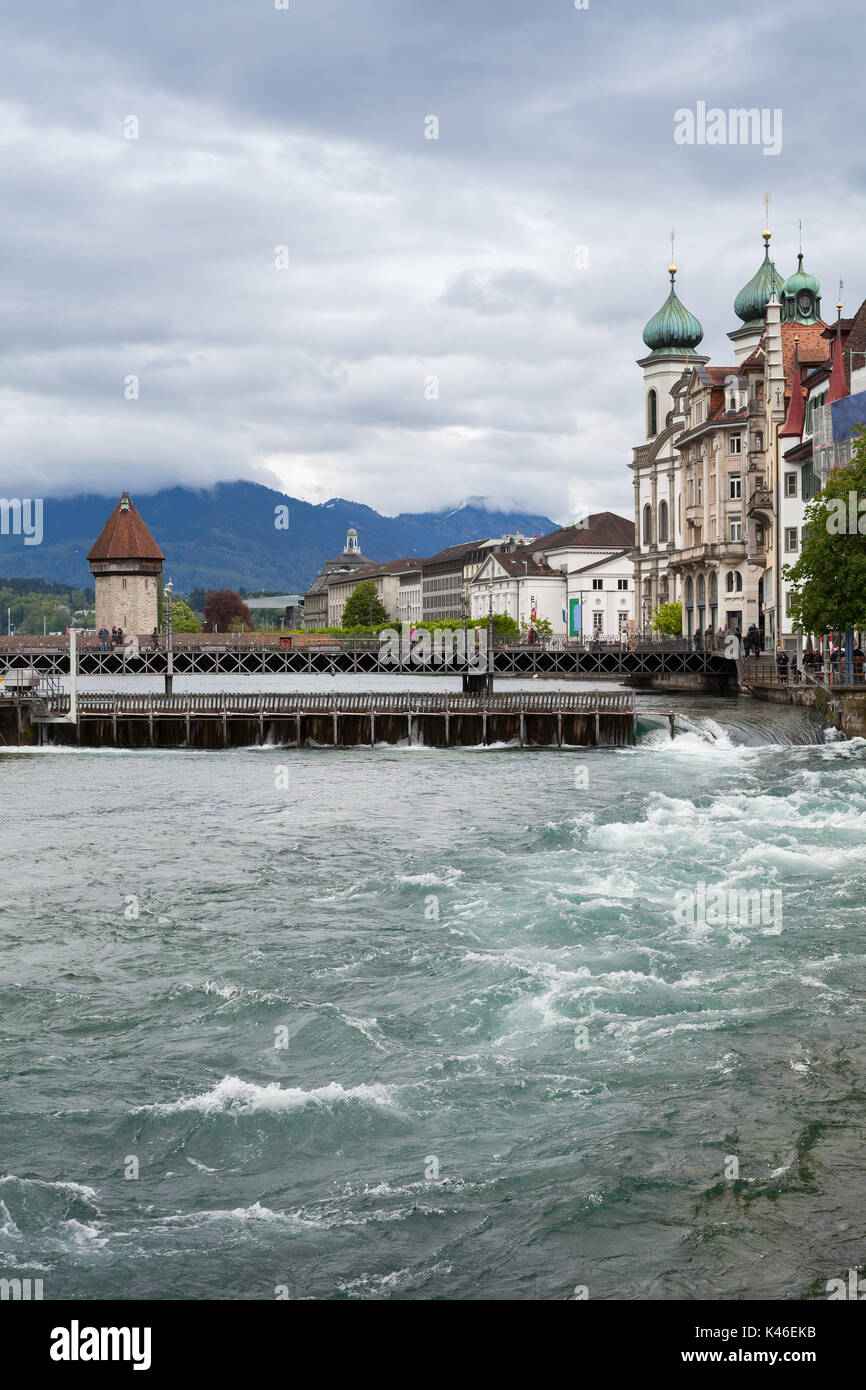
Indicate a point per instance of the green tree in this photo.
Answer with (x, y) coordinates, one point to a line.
(828, 582)
(540, 626)
(182, 617)
(363, 607)
(669, 619)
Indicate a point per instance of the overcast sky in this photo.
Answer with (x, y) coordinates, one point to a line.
(408, 258)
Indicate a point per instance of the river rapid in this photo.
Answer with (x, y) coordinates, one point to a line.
(413, 1023)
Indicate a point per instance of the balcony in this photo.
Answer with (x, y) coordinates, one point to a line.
(712, 551)
(760, 501)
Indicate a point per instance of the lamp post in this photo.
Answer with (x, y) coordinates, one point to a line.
(169, 637)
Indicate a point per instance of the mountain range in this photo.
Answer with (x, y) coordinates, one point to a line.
(226, 536)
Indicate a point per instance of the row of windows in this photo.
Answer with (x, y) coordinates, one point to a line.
(733, 585)
(445, 581)
(735, 523)
(648, 523)
(620, 583)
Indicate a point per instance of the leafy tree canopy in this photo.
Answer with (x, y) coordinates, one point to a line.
(668, 619)
(363, 606)
(226, 610)
(828, 582)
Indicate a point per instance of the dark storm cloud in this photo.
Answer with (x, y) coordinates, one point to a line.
(458, 316)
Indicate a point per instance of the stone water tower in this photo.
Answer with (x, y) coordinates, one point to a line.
(126, 564)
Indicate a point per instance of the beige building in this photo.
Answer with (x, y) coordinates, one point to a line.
(387, 579)
(126, 564)
(712, 498)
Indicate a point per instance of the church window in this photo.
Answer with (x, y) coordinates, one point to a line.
(663, 521)
(652, 413)
(647, 524)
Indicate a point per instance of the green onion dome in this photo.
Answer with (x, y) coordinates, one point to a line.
(801, 280)
(801, 296)
(754, 297)
(673, 329)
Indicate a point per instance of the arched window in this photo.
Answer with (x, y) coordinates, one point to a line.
(652, 414)
(735, 582)
(690, 592)
(647, 524)
(663, 521)
(702, 588)
(714, 588)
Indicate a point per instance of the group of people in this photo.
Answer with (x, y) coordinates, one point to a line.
(814, 663)
(710, 641)
(117, 638)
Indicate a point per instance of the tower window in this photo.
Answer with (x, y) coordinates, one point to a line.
(652, 414)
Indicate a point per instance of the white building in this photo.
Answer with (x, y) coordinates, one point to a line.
(580, 578)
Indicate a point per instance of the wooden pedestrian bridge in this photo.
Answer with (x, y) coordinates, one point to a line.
(641, 664)
(338, 719)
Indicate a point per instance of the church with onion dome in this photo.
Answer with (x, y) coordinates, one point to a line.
(712, 494)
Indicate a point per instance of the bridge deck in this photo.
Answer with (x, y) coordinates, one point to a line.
(560, 662)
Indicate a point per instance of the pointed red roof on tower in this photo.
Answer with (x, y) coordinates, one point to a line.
(125, 536)
(796, 416)
(838, 384)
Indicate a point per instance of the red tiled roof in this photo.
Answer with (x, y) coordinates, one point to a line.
(519, 565)
(125, 537)
(719, 375)
(602, 530)
(813, 347)
(371, 571)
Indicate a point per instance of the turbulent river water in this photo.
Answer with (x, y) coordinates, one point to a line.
(406, 1023)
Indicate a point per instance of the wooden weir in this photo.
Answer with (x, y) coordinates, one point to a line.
(586, 718)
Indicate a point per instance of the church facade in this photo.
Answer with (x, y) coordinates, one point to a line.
(713, 499)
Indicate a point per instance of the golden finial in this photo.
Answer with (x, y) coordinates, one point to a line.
(672, 268)
(839, 300)
(766, 233)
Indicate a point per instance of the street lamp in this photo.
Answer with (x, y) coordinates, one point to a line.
(169, 636)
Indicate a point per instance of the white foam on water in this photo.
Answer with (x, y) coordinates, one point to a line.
(231, 1095)
(446, 879)
(238, 1215)
(78, 1189)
